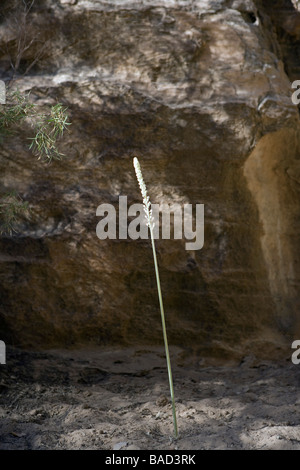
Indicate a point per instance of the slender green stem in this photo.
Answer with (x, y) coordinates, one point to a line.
(150, 222)
(164, 332)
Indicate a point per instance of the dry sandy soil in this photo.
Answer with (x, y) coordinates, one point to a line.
(119, 399)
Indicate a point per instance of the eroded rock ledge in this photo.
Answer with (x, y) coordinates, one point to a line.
(200, 92)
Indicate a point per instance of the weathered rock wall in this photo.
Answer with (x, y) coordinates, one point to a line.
(200, 91)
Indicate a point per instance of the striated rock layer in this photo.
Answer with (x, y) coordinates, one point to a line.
(199, 91)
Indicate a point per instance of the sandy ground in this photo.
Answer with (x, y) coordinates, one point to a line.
(119, 399)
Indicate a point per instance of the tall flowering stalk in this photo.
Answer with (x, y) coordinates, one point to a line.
(150, 223)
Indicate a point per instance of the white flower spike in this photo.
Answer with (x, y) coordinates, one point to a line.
(146, 199)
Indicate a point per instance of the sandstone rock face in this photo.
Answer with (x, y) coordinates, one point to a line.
(198, 90)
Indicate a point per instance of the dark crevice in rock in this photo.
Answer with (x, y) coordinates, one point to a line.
(249, 16)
